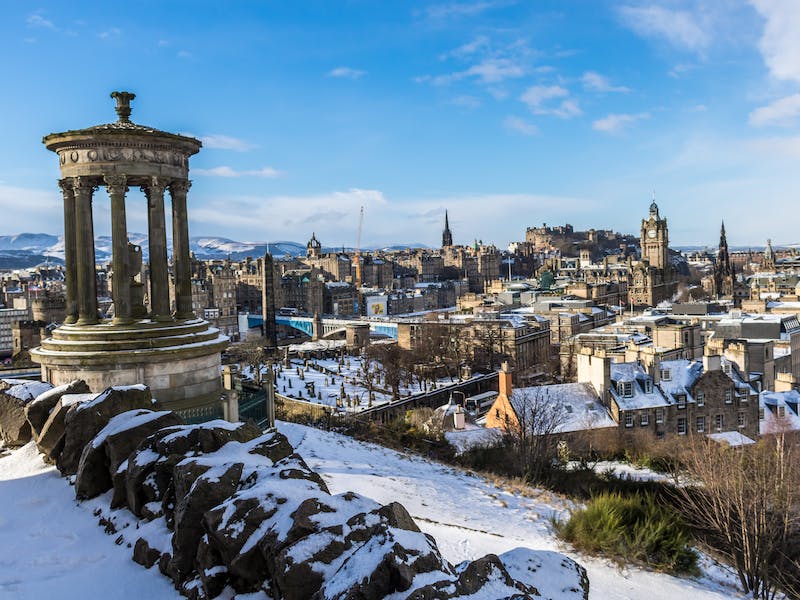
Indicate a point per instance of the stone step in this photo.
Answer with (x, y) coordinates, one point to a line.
(117, 344)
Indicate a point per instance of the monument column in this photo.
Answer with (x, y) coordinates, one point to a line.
(70, 251)
(180, 250)
(121, 291)
(84, 243)
(157, 242)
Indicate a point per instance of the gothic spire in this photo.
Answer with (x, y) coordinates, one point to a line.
(447, 235)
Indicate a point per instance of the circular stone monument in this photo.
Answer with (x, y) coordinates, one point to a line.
(173, 352)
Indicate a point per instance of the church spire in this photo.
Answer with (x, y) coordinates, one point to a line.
(447, 236)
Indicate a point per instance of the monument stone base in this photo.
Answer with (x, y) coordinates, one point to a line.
(179, 361)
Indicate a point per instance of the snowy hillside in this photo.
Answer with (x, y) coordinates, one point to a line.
(59, 550)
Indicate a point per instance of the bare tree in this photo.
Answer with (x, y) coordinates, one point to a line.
(532, 432)
(250, 353)
(746, 504)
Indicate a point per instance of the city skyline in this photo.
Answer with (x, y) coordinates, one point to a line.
(506, 115)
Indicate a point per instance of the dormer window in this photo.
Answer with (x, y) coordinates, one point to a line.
(648, 386)
(666, 374)
(625, 389)
(681, 398)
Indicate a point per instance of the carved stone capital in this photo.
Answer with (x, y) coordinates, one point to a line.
(116, 184)
(179, 186)
(67, 186)
(155, 187)
(83, 186)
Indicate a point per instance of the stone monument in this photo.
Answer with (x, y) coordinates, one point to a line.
(176, 354)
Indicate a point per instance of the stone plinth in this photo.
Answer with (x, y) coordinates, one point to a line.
(180, 361)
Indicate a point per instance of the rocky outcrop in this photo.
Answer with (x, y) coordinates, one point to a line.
(51, 436)
(38, 411)
(84, 420)
(223, 506)
(110, 448)
(15, 395)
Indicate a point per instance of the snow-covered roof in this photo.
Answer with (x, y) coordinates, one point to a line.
(578, 404)
(780, 410)
(641, 393)
(682, 376)
(732, 438)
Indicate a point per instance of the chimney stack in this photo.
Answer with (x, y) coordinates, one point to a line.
(504, 387)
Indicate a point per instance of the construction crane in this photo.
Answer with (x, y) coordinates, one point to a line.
(357, 262)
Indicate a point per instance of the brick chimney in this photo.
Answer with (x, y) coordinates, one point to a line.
(504, 387)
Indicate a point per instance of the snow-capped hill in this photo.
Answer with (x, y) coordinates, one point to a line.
(35, 243)
(218, 247)
(222, 245)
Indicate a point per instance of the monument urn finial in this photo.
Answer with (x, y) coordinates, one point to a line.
(123, 105)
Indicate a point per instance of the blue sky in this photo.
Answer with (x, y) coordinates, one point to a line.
(509, 114)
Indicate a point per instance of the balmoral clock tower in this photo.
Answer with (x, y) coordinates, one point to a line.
(655, 239)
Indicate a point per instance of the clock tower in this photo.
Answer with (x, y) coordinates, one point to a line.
(655, 239)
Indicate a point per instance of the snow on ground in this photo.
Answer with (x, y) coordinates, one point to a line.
(623, 470)
(52, 546)
(327, 377)
(470, 517)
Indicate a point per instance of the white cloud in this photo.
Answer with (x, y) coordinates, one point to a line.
(595, 82)
(782, 112)
(479, 43)
(680, 28)
(540, 99)
(334, 216)
(30, 210)
(520, 126)
(459, 9)
(225, 171)
(346, 73)
(225, 142)
(780, 42)
(467, 102)
(184, 54)
(109, 33)
(37, 20)
(614, 123)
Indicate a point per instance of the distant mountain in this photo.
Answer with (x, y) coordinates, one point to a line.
(27, 250)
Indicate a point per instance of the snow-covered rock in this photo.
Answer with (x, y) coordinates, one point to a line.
(15, 395)
(102, 457)
(84, 420)
(38, 410)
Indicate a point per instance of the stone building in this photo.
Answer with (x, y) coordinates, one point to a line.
(674, 398)
(652, 280)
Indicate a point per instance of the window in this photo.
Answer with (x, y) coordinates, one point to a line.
(666, 374)
(701, 424)
(781, 412)
(719, 422)
(648, 386)
(728, 396)
(741, 419)
(644, 420)
(681, 398)
(629, 419)
(744, 396)
(659, 415)
(625, 389)
(701, 398)
(681, 425)
(761, 413)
